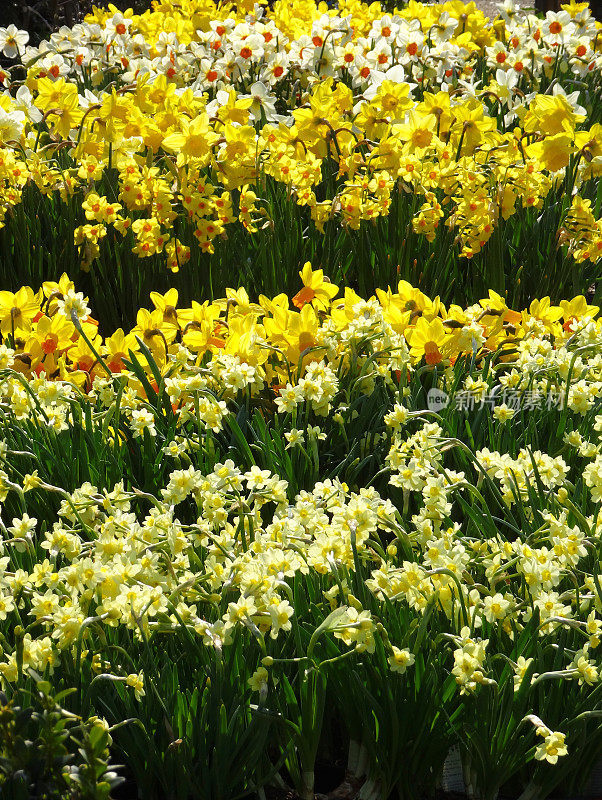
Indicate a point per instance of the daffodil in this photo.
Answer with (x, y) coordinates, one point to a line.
(136, 682)
(118, 347)
(401, 659)
(552, 748)
(12, 41)
(428, 339)
(193, 142)
(18, 310)
(317, 289)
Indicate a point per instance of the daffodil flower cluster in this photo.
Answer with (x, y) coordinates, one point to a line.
(194, 108)
(217, 553)
(238, 500)
(293, 359)
(287, 448)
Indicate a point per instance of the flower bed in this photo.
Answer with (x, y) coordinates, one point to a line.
(300, 383)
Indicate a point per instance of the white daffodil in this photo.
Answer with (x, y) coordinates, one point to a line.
(13, 41)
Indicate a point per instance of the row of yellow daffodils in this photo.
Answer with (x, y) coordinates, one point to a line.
(233, 343)
(196, 108)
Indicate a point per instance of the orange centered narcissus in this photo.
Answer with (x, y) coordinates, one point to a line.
(50, 343)
(306, 295)
(432, 354)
